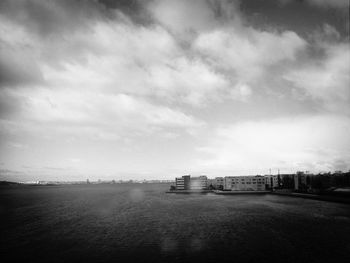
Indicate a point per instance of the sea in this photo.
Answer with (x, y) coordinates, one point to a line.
(142, 223)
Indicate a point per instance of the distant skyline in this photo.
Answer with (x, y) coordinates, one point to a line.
(156, 89)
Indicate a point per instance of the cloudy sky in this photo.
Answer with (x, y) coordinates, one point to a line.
(155, 89)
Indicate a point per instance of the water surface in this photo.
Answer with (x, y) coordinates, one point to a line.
(141, 223)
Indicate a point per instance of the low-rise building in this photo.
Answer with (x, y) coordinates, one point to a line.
(182, 183)
(195, 183)
(198, 183)
(210, 182)
(300, 181)
(219, 183)
(271, 181)
(287, 181)
(244, 183)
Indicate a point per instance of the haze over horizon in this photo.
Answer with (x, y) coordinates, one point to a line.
(156, 89)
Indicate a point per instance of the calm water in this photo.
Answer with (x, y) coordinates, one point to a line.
(140, 223)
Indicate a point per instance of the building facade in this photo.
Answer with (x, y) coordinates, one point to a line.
(195, 183)
(300, 181)
(219, 183)
(244, 183)
(199, 183)
(182, 183)
(271, 181)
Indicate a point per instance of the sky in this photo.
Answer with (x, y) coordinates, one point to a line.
(157, 89)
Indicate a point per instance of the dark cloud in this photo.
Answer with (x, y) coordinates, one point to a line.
(299, 16)
(9, 106)
(55, 31)
(14, 104)
(57, 17)
(122, 4)
(18, 69)
(48, 18)
(136, 10)
(127, 6)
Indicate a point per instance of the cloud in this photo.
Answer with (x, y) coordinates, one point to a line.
(132, 75)
(185, 19)
(333, 3)
(257, 146)
(327, 79)
(118, 56)
(241, 92)
(14, 70)
(193, 82)
(52, 18)
(248, 54)
(75, 112)
(181, 16)
(323, 3)
(18, 65)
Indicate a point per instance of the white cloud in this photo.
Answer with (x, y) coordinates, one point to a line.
(326, 80)
(117, 56)
(192, 82)
(242, 92)
(248, 53)
(126, 59)
(102, 116)
(306, 142)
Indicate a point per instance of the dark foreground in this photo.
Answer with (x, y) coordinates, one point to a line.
(140, 223)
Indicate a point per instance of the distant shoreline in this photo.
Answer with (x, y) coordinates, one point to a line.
(58, 183)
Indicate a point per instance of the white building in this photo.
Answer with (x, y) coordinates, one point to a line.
(182, 183)
(198, 183)
(244, 183)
